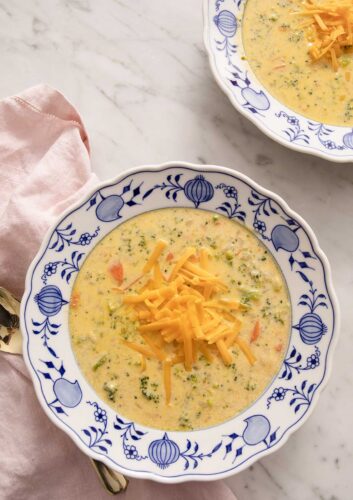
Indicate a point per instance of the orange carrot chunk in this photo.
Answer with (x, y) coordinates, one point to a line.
(256, 332)
(117, 272)
(75, 298)
(170, 256)
(279, 347)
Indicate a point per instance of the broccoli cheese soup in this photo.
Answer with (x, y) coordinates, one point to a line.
(302, 53)
(179, 318)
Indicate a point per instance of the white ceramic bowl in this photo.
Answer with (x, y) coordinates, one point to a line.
(133, 449)
(223, 40)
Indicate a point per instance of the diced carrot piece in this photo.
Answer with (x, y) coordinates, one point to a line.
(75, 299)
(117, 272)
(279, 347)
(256, 332)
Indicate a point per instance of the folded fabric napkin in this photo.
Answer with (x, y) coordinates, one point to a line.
(44, 168)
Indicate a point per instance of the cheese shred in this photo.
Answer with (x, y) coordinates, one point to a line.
(184, 315)
(329, 26)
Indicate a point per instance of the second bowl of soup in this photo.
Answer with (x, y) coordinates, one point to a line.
(287, 66)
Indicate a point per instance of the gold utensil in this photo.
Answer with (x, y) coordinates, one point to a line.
(112, 481)
(10, 335)
(11, 342)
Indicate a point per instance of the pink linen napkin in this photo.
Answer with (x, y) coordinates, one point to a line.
(44, 168)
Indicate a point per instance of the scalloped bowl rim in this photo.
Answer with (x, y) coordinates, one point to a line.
(252, 118)
(328, 367)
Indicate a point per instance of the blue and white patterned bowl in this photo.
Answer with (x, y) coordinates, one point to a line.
(223, 40)
(219, 451)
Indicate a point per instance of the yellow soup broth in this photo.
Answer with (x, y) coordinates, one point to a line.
(100, 324)
(276, 46)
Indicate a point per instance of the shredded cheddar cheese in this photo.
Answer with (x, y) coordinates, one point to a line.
(154, 255)
(183, 314)
(143, 363)
(141, 349)
(330, 29)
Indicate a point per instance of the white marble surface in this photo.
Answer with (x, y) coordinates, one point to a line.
(138, 72)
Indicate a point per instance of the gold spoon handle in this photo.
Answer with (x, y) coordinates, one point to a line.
(112, 481)
(10, 335)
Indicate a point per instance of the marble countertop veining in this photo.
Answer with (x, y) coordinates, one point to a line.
(139, 74)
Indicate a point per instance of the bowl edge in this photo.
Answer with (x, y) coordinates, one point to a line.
(329, 283)
(251, 118)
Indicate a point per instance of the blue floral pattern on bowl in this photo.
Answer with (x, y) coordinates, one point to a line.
(128, 446)
(223, 39)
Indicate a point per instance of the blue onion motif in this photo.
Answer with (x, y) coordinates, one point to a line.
(257, 100)
(285, 238)
(68, 393)
(163, 452)
(198, 190)
(226, 23)
(254, 101)
(257, 429)
(311, 328)
(50, 300)
(348, 140)
(109, 208)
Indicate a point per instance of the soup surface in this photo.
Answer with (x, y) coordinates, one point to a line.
(101, 325)
(276, 47)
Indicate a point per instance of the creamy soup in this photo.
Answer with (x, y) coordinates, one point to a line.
(103, 328)
(276, 46)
